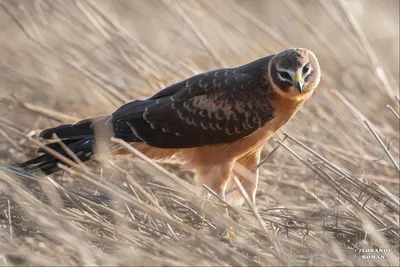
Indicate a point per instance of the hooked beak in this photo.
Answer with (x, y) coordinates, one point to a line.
(298, 82)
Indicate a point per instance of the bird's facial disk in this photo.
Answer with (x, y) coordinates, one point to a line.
(295, 78)
(295, 72)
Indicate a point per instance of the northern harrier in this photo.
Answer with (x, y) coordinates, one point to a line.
(210, 120)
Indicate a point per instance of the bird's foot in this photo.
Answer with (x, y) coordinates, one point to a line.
(225, 235)
(229, 234)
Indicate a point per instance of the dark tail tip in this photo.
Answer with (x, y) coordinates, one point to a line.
(61, 131)
(47, 163)
(46, 134)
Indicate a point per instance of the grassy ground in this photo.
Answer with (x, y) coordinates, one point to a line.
(330, 190)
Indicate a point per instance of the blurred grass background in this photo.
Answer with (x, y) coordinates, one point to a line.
(61, 61)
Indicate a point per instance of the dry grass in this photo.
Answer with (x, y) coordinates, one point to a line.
(328, 190)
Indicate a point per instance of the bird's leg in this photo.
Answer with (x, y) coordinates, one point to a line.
(249, 181)
(246, 177)
(215, 177)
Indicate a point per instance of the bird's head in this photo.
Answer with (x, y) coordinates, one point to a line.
(294, 73)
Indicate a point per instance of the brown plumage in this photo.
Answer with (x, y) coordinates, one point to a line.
(211, 121)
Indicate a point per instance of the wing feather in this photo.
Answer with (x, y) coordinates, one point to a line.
(220, 106)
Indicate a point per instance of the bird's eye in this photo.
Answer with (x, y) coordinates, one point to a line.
(306, 68)
(284, 75)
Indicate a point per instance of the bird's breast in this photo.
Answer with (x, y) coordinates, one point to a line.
(284, 111)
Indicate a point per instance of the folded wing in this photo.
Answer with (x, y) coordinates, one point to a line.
(221, 106)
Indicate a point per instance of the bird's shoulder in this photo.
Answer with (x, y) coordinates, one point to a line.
(244, 77)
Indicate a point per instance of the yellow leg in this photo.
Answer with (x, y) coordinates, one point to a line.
(246, 177)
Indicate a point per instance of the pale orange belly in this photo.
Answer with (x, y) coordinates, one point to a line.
(216, 154)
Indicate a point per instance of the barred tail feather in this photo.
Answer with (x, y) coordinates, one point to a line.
(79, 138)
(82, 148)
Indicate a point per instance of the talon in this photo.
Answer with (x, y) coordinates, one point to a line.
(229, 234)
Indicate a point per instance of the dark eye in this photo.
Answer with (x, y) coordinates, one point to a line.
(306, 68)
(284, 75)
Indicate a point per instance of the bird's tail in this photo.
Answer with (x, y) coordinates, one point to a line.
(82, 148)
(80, 138)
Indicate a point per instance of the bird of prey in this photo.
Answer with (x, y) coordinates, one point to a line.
(211, 121)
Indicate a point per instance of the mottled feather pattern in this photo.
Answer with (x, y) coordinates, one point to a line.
(215, 107)
(210, 121)
(294, 60)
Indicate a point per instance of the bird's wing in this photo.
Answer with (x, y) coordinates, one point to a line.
(220, 106)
